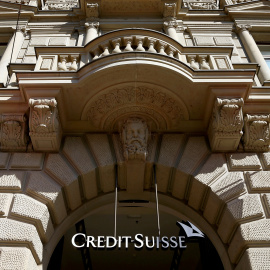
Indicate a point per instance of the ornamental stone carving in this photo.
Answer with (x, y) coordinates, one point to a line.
(134, 137)
(256, 133)
(169, 10)
(92, 11)
(161, 109)
(198, 4)
(225, 129)
(60, 4)
(13, 132)
(44, 125)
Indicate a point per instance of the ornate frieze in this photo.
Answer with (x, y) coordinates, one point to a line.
(134, 137)
(13, 132)
(198, 4)
(60, 4)
(44, 125)
(256, 133)
(164, 110)
(225, 129)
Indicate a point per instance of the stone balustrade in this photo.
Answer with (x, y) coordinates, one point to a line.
(145, 43)
(134, 44)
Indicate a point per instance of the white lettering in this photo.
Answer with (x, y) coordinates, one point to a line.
(90, 240)
(73, 240)
(137, 239)
(164, 241)
(108, 238)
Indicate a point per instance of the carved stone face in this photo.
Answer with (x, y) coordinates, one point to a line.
(134, 138)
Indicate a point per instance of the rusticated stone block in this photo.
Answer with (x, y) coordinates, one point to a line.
(16, 233)
(170, 148)
(30, 161)
(258, 181)
(11, 180)
(256, 232)
(5, 201)
(76, 152)
(58, 169)
(214, 168)
(243, 209)
(195, 152)
(17, 258)
(244, 162)
(34, 212)
(254, 259)
(4, 157)
(266, 160)
(46, 190)
(266, 202)
(101, 151)
(223, 189)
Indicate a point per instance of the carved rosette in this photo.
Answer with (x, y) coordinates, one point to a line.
(225, 129)
(256, 133)
(134, 136)
(44, 125)
(13, 132)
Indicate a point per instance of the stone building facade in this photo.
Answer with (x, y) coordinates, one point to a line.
(94, 91)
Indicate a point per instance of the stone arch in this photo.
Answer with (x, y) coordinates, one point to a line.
(40, 193)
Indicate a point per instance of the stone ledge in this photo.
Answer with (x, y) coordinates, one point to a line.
(4, 158)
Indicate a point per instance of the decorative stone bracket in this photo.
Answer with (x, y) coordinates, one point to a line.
(256, 133)
(44, 125)
(225, 129)
(13, 132)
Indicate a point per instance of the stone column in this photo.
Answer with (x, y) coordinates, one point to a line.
(170, 29)
(91, 31)
(254, 52)
(18, 36)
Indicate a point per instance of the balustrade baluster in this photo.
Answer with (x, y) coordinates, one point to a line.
(203, 63)
(151, 44)
(140, 47)
(62, 65)
(193, 64)
(116, 43)
(128, 42)
(74, 60)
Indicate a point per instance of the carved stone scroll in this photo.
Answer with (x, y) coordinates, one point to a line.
(256, 133)
(169, 10)
(225, 129)
(92, 11)
(44, 125)
(134, 137)
(13, 132)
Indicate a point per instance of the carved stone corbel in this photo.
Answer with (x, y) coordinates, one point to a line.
(256, 133)
(225, 129)
(44, 124)
(13, 132)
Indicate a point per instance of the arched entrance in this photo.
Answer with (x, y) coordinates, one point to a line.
(138, 216)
